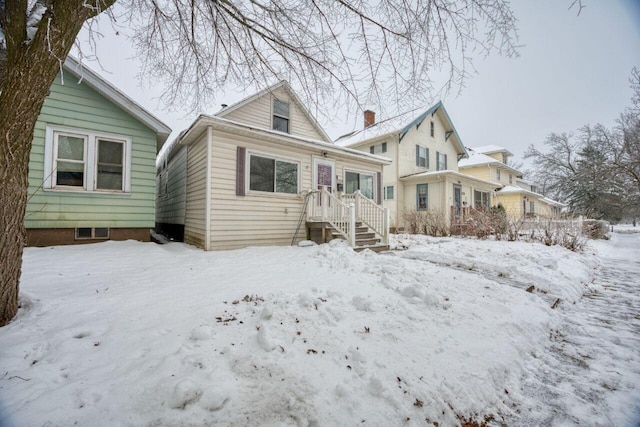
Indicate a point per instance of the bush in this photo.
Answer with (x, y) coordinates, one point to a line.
(432, 222)
(595, 229)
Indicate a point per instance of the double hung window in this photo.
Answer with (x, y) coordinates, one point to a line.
(281, 115)
(441, 159)
(80, 160)
(422, 157)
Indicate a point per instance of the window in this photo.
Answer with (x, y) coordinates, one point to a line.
(422, 197)
(480, 199)
(433, 129)
(272, 176)
(498, 174)
(110, 165)
(70, 155)
(532, 208)
(280, 115)
(92, 233)
(534, 189)
(359, 181)
(441, 160)
(422, 157)
(377, 149)
(83, 160)
(388, 192)
(505, 158)
(510, 178)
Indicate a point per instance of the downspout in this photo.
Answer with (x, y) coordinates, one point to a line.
(207, 224)
(397, 184)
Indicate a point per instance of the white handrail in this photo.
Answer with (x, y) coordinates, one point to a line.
(373, 215)
(343, 213)
(326, 207)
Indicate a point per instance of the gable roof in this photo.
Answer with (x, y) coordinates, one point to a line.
(400, 125)
(115, 95)
(200, 124)
(491, 149)
(287, 87)
(511, 189)
(478, 159)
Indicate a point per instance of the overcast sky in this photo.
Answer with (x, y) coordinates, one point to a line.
(572, 70)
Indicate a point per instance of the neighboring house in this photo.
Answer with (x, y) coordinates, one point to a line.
(92, 163)
(425, 149)
(255, 174)
(517, 196)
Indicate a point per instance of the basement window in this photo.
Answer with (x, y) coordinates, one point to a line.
(91, 233)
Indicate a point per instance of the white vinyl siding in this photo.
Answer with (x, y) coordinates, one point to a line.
(259, 113)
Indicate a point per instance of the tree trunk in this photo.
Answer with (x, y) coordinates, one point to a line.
(29, 71)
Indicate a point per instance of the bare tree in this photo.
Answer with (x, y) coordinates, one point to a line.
(596, 170)
(328, 48)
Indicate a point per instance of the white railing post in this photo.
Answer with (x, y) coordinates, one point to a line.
(385, 226)
(324, 202)
(352, 226)
(358, 213)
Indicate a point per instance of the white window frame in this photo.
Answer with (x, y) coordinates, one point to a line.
(54, 164)
(125, 174)
(247, 176)
(360, 172)
(426, 157)
(498, 174)
(441, 161)
(393, 191)
(287, 118)
(90, 159)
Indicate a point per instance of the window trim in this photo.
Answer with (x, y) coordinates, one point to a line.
(360, 172)
(439, 156)
(91, 159)
(85, 163)
(273, 114)
(425, 185)
(393, 192)
(498, 176)
(124, 168)
(418, 157)
(247, 177)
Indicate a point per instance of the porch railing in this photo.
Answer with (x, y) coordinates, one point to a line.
(371, 214)
(344, 211)
(325, 206)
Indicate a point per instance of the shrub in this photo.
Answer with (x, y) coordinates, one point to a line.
(595, 229)
(432, 222)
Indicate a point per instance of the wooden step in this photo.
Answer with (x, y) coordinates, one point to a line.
(375, 248)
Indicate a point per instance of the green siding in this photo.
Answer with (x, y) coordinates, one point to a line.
(78, 106)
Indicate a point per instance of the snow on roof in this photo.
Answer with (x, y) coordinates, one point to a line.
(510, 189)
(400, 125)
(202, 121)
(476, 159)
(490, 149)
(393, 125)
(448, 172)
(479, 159)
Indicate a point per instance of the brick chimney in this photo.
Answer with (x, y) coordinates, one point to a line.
(369, 118)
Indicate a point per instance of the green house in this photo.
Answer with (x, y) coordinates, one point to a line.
(92, 166)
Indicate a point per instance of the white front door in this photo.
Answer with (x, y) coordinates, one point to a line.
(324, 174)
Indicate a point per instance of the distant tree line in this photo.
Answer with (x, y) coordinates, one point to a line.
(595, 170)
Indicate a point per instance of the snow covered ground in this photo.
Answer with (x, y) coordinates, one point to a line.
(441, 332)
